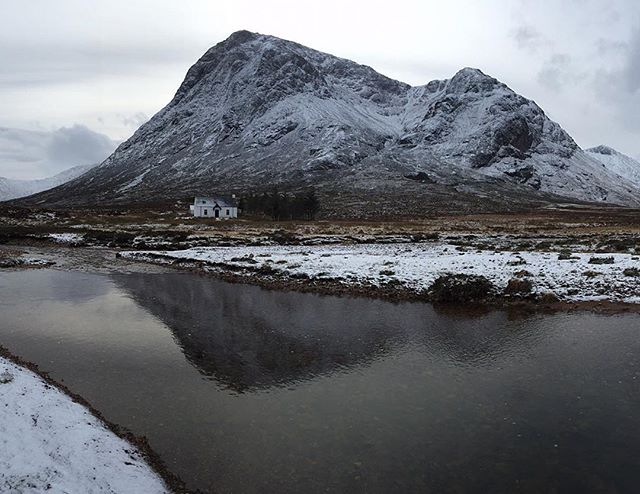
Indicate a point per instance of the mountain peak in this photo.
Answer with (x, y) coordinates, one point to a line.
(256, 111)
(470, 79)
(471, 73)
(240, 37)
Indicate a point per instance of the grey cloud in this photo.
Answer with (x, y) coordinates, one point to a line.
(36, 64)
(26, 154)
(620, 87)
(78, 145)
(632, 69)
(556, 72)
(605, 46)
(19, 147)
(528, 38)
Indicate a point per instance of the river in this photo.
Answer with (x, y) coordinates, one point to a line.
(241, 389)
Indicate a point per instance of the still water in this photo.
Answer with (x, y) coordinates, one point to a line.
(245, 390)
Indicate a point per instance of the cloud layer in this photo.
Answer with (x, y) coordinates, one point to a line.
(26, 154)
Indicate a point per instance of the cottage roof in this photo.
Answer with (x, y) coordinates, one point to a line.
(221, 201)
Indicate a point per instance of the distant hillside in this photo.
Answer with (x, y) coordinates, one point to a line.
(618, 163)
(12, 189)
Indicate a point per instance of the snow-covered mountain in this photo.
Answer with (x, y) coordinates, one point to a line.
(256, 112)
(12, 189)
(618, 163)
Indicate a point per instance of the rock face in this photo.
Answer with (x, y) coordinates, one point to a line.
(258, 112)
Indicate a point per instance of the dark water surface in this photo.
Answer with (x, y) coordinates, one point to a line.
(245, 390)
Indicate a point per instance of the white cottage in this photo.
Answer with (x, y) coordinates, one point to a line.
(214, 207)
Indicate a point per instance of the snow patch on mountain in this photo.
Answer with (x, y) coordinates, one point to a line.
(616, 162)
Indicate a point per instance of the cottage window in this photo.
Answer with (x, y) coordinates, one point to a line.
(228, 212)
(206, 212)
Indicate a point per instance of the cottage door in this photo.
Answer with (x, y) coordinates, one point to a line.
(216, 213)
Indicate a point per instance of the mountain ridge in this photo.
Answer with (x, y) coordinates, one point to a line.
(257, 112)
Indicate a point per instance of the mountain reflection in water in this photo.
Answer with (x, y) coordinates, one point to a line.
(248, 338)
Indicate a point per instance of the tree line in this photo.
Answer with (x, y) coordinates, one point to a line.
(280, 206)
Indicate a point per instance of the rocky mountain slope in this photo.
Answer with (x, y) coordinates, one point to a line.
(12, 189)
(258, 112)
(618, 163)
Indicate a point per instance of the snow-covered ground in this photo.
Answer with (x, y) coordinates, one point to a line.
(416, 266)
(67, 238)
(49, 443)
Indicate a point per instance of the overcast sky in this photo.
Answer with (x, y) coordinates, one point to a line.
(103, 68)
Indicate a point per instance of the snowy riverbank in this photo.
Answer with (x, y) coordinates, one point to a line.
(49, 443)
(578, 276)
